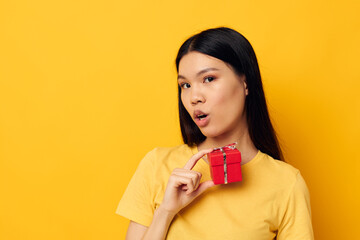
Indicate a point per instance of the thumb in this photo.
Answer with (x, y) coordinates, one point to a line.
(203, 187)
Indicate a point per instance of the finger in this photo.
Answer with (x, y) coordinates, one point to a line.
(197, 180)
(203, 187)
(193, 160)
(177, 181)
(194, 176)
(196, 184)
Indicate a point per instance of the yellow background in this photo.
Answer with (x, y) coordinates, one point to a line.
(88, 87)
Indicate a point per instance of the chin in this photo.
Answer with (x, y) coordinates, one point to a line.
(216, 132)
(211, 133)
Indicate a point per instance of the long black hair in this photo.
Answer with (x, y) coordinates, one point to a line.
(233, 48)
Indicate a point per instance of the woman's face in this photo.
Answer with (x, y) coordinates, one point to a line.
(213, 94)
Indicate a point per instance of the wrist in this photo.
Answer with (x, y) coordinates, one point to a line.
(159, 225)
(161, 210)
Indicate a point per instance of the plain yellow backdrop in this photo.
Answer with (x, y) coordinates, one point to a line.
(88, 87)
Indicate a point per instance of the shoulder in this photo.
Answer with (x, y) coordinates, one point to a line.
(280, 173)
(175, 150)
(291, 200)
(163, 156)
(280, 167)
(283, 181)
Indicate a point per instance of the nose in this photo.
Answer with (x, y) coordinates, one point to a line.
(197, 96)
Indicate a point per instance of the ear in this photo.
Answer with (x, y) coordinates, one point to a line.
(245, 85)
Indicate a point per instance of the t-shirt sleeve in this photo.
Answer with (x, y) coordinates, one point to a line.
(296, 221)
(137, 203)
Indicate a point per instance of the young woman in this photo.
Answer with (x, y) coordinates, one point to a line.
(221, 101)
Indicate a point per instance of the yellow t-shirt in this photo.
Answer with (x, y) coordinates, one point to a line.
(272, 200)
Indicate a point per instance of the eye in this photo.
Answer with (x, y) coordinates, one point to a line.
(185, 85)
(209, 79)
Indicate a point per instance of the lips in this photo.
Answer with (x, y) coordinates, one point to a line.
(200, 118)
(199, 114)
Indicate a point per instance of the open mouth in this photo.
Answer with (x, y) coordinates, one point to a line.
(201, 116)
(201, 119)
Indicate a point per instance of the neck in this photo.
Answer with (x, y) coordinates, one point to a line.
(244, 144)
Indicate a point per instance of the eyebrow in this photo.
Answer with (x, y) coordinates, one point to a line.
(199, 73)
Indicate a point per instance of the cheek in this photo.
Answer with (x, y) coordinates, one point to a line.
(184, 101)
(231, 102)
(229, 97)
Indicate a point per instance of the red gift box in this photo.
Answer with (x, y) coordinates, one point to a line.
(225, 165)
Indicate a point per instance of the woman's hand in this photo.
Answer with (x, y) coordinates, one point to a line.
(184, 186)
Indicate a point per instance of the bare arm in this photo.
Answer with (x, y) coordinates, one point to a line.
(182, 188)
(135, 231)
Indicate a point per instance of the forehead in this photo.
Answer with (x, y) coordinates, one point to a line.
(194, 62)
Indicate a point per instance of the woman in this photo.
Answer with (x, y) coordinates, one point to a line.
(221, 101)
